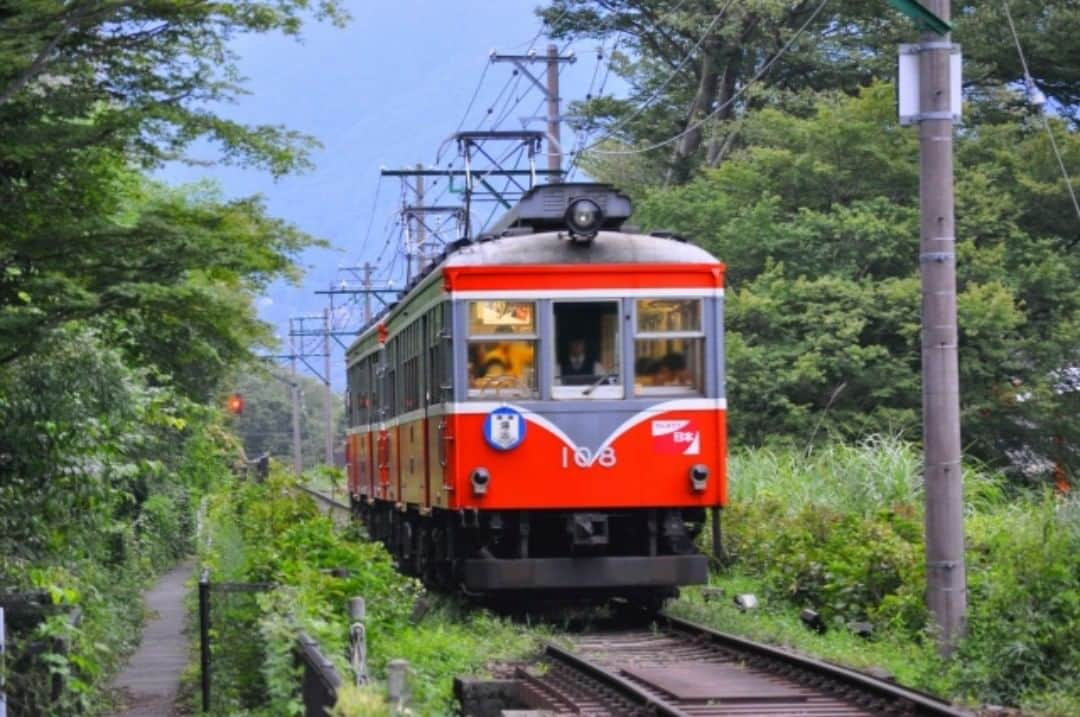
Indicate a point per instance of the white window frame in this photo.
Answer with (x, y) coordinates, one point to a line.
(648, 391)
(603, 392)
(498, 393)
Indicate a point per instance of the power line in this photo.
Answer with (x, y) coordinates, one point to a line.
(596, 71)
(507, 108)
(663, 85)
(1036, 98)
(585, 135)
(475, 94)
(529, 45)
(738, 93)
(371, 218)
(607, 70)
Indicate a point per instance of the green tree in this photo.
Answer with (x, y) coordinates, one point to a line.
(265, 426)
(687, 60)
(90, 92)
(817, 220)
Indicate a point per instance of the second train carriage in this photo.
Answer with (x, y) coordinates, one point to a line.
(544, 409)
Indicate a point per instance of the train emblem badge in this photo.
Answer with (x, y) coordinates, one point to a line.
(504, 429)
(676, 437)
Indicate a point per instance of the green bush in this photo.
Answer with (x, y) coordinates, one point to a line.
(1024, 603)
(841, 531)
(99, 463)
(267, 533)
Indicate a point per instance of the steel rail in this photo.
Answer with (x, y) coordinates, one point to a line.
(923, 703)
(613, 681)
(322, 497)
(682, 669)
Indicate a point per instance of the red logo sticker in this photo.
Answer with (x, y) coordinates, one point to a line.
(676, 437)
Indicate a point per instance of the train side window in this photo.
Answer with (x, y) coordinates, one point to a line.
(411, 378)
(438, 343)
(502, 349)
(360, 394)
(669, 348)
(586, 347)
(371, 395)
(389, 404)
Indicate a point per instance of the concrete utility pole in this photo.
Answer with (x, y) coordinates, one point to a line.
(946, 578)
(294, 387)
(421, 237)
(554, 123)
(329, 391)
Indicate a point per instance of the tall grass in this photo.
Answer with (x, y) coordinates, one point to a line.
(841, 531)
(863, 478)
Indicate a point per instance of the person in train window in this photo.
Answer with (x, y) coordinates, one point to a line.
(645, 370)
(672, 371)
(578, 362)
(494, 367)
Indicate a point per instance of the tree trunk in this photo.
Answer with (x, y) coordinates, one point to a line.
(717, 149)
(704, 99)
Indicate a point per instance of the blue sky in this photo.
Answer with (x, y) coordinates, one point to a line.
(386, 90)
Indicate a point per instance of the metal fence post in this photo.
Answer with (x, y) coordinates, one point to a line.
(204, 638)
(358, 640)
(3, 658)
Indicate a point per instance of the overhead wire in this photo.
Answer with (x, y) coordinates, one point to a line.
(585, 135)
(722, 106)
(475, 94)
(667, 81)
(1030, 84)
(500, 117)
(371, 217)
(540, 32)
(607, 70)
(596, 71)
(507, 108)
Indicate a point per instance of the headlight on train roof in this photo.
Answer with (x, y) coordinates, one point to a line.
(584, 218)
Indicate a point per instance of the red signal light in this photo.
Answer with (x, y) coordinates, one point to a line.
(236, 404)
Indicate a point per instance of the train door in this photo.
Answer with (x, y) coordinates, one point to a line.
(438, 399)
(384, 443)
(366, 406)
(411, 431)
(425, 402)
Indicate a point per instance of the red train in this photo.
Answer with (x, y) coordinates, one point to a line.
(544, 408)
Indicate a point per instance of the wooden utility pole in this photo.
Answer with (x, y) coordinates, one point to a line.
(554, 131)
(367, 291)
(294, 387)
(945, 570)
(421, 234)
(329, 390)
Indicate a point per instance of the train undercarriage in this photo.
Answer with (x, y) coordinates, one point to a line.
(638, 555)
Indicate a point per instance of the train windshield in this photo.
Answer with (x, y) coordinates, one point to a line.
(502, 349)
(587, 350)
(669, 348)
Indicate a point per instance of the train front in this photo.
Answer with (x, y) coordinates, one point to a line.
(586, 442)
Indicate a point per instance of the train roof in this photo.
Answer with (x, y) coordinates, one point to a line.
(608, 247)
(534, 232)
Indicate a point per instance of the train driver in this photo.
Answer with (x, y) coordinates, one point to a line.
(579, 362)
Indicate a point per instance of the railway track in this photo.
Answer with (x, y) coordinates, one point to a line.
(677, 668)
(339, 512)
(683, 669)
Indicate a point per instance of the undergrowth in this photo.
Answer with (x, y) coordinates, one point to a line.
(267, 533)
(841, 532)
